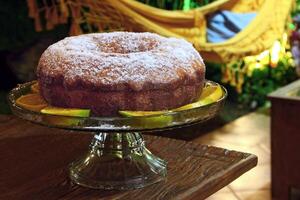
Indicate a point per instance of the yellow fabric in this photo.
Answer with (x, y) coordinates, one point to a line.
(266, 27)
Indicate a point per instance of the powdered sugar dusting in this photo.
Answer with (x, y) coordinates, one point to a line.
(121, 59)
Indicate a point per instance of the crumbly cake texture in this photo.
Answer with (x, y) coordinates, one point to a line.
(120, 70)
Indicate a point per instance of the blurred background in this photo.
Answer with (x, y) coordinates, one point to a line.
(249, 72)
(249, 46)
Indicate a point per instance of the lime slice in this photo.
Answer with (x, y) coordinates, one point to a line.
(62, 120)
(150, 122)
(128, 113)
(207, 90)
(73, 112)
(213, 97)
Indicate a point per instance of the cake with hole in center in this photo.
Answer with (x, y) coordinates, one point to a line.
(108, 72)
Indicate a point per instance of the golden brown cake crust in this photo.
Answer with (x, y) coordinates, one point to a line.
(108, 72)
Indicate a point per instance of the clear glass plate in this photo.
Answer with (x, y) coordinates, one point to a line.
(120, 124)
(118, 158)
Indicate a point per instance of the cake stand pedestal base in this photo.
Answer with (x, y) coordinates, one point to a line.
(118, 161)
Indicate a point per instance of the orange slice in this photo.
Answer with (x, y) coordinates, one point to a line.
(33, 102)
(35, 88)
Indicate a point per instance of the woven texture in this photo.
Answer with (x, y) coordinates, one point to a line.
(130, 15)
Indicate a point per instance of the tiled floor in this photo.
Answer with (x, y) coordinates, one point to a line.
(250, 133)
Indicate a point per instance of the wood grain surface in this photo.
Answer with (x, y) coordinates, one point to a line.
(34, 165)
(285, 137)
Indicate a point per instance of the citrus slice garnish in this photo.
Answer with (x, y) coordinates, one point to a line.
(214, 96)
(73, 112)
(62, 120)
(33, 102)
(35, 88)
(208, 89)
(128, 113)
(151, 122)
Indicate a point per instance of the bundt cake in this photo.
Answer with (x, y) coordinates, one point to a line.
(108, 72)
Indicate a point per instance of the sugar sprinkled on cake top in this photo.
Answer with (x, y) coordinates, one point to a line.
(122, 59)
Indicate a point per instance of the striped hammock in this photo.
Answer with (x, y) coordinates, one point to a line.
(111, 15)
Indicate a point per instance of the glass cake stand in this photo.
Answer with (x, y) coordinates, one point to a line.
(117, 158)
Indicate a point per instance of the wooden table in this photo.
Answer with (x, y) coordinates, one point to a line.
(34, 165)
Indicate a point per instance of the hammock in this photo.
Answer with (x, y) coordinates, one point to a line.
(104, 15)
